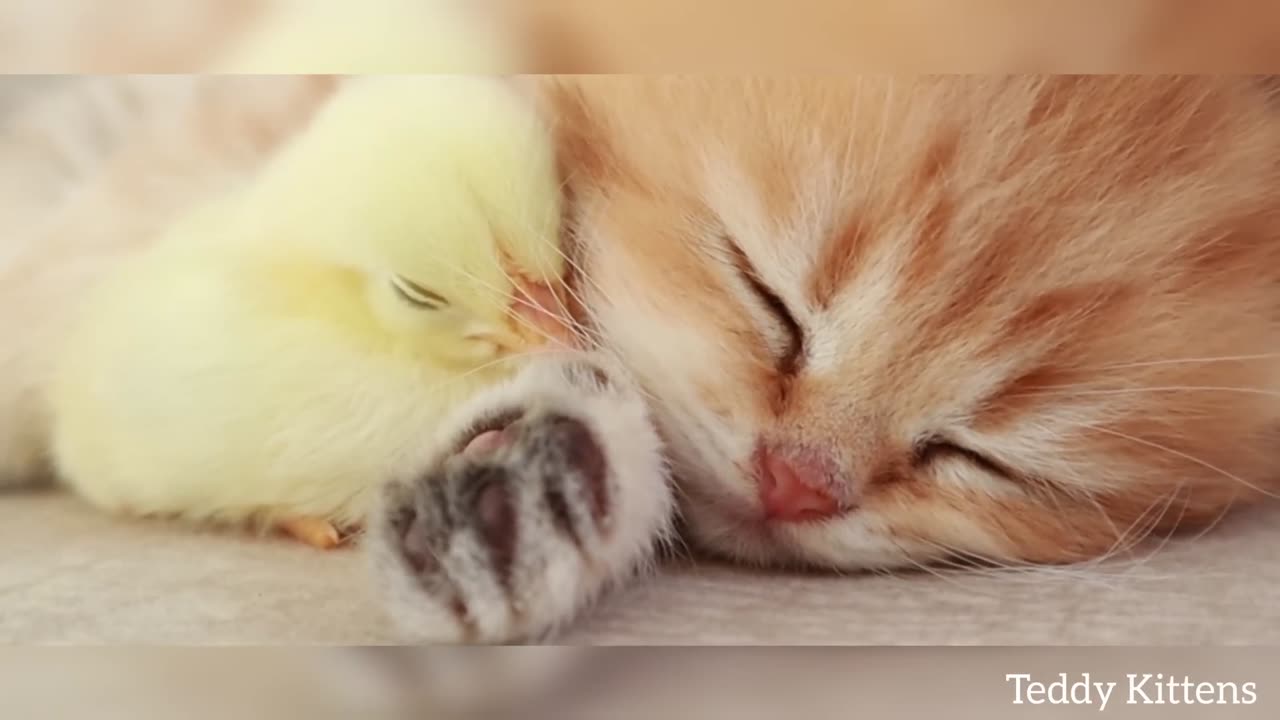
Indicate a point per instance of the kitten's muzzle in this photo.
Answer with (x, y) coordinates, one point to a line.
(795, 484)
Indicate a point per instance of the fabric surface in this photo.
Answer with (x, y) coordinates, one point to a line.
(72, 575)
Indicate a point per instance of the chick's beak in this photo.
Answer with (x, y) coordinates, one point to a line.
(537, 317)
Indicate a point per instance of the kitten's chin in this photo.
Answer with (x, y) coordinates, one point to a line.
(736, 536)
(850, 542)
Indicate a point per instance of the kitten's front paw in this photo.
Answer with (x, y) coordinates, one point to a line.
(553, 487)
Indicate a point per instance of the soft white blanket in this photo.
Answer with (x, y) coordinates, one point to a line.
(71, 575)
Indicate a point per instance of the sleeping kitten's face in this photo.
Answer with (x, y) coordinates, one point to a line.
(881, 321)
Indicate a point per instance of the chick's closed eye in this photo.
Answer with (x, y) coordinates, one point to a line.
(416, 295)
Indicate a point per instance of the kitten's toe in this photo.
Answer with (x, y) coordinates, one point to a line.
(409, 541)
(491, 510)
(574, 474)
(415, 545)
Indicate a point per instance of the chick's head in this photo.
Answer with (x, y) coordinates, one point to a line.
(440, 194)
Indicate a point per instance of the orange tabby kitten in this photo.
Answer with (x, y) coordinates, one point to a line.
(846, 322)
(877, 322)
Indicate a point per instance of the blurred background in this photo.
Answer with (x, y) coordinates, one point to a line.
(95, 36)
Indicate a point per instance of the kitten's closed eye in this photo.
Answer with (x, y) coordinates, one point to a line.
(935, 447)
(789, 358)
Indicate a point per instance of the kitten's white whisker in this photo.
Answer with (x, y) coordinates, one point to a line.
(1182, 511)
(1182, 361)
(575, 265)
(479, 284)
(1068, 390)
(560, 281)
(579, 330)
(527, 324)
(1140, 529)
(1185, 456)
(958, 573)
(1090, 572)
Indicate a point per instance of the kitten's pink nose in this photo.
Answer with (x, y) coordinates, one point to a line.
(795, 485)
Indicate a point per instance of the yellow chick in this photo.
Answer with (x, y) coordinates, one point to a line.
(282, 351)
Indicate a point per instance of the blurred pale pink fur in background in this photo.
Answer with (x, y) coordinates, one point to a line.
(93, 36)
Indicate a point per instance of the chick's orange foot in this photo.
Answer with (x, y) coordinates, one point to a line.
(316, 532)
